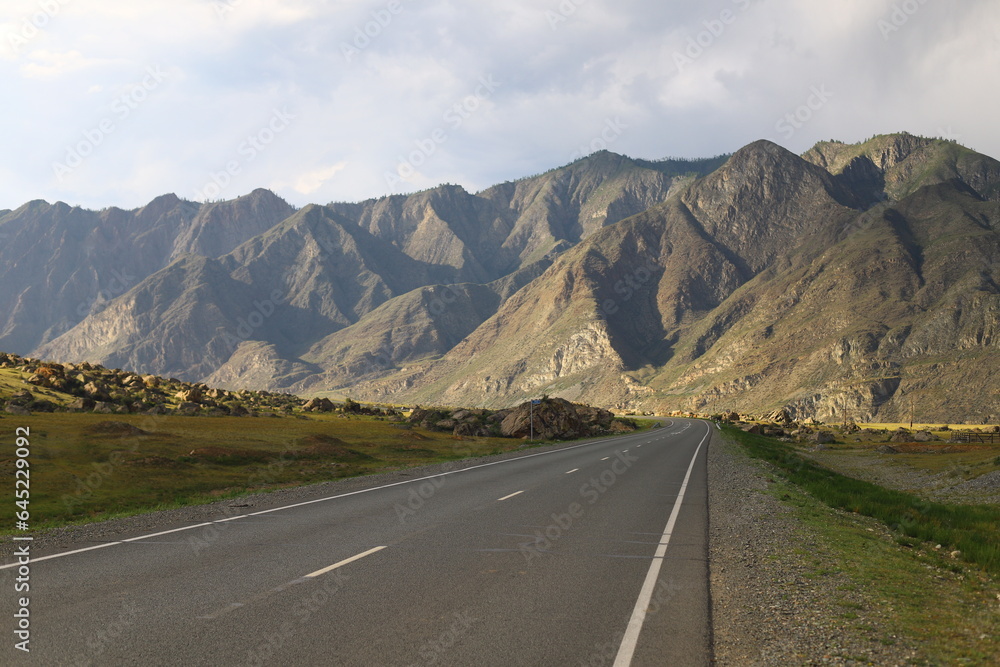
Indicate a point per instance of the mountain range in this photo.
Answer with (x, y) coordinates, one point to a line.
(855, 281)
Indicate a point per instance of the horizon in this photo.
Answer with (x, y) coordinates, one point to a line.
(476, 191)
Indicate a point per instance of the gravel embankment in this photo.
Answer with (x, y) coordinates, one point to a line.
(769, 606)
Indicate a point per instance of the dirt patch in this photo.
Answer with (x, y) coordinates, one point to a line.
(156, 462)
(116, 428)
(225, 456)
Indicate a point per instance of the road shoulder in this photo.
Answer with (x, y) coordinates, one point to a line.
(779, 596)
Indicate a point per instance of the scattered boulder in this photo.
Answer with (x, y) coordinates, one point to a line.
(18, 410)
(192, 395)
(96, 391)
(822, 438)
(923, 436)
(319, 405)
(22, 398)
(82, 404)
(901, 435)
(755, 429)
(887, 449)
(780, 416)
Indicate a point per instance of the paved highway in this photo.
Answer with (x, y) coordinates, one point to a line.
(593, 554)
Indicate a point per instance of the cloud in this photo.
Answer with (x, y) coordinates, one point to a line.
(48, 64)
(312, 181)
(369, 83)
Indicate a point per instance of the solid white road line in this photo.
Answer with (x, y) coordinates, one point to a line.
(631, 639)
(606, 458)
(510, 496)
(343, 563)
(570, 472)
(308, 502)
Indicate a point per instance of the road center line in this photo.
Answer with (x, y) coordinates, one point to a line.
(343, 563)
(606, 458)
(631, 639)
(570, 472)
(510, 496)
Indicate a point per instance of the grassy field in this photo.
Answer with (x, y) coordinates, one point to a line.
(87, 467)
(887, 543)
(972, 529)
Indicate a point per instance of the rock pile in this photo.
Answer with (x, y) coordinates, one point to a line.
(553, 419)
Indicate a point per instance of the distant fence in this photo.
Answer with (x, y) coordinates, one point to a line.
(985, 438)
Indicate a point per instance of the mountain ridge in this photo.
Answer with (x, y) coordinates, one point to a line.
(848, 278)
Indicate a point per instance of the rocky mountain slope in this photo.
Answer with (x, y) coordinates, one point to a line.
(263, 314)
(855, 278)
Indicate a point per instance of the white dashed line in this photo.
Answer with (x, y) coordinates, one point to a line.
(343, 563)
(510, 496)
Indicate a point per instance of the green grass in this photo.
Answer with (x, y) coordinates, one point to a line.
(946, 610)
(973, 530)
(79, 474)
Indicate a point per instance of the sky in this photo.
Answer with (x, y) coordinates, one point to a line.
(115, 102)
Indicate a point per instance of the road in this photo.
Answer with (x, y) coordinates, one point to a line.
(593, 554)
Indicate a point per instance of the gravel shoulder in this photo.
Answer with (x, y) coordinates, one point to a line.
(778, 596)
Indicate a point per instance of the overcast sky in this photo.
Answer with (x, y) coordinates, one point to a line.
(113, 102)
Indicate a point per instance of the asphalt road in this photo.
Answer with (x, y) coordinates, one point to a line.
(578, 556)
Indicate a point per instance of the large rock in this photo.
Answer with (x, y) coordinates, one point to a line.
(822, 438)
(319, 405)
(553, 418)
(82, 404)
(924, 436)
(96, 391)
(192, 395)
